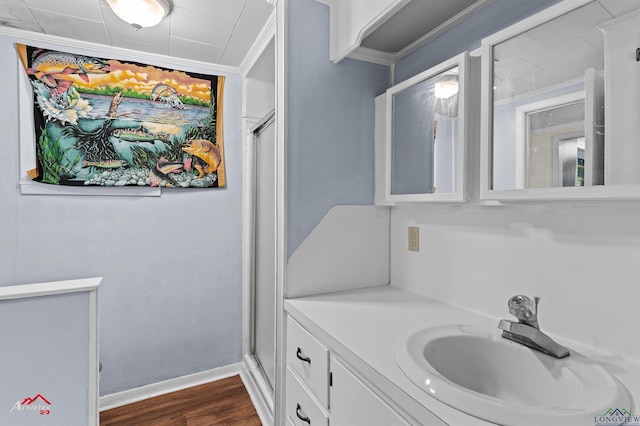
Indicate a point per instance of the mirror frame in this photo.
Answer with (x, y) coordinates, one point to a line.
(598, 192)
(458, 194)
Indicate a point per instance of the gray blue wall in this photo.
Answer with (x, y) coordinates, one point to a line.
(330, 123)
(331, 110)
(170, 301)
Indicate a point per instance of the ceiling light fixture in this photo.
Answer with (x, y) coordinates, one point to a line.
(141, 13)
(446, 89)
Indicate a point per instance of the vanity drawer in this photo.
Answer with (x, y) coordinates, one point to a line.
(300, 407)
(309, 359)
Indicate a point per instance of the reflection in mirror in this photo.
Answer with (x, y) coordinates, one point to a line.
(547, 91)
(424, 135)
(543, 145)
(570, 162)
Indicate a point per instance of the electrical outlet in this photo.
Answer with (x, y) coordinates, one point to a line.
(414, 238)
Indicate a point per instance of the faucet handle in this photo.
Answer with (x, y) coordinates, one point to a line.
(525, 309)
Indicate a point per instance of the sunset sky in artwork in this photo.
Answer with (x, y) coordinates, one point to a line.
(143, 79)
(139, 78)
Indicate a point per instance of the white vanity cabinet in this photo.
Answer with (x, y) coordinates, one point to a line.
(321, 390)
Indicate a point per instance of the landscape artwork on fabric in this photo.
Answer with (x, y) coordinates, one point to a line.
(114, 123)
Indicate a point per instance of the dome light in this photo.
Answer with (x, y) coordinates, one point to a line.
(141, 13)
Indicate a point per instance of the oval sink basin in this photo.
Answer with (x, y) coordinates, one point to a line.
(475, 370)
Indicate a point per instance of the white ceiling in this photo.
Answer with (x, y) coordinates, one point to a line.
(213, 31)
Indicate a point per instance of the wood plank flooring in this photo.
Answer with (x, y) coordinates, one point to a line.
(221, 403)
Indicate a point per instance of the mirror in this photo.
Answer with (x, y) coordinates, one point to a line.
(425, 135)
(544, 79)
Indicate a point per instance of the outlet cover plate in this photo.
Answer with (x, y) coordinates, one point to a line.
(414, 238)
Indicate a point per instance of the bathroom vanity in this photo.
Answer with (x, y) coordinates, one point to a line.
(342, 361)
(357, 332)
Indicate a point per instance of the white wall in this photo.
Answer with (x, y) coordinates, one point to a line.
(170, 301)
(347, 250)
(581, 260)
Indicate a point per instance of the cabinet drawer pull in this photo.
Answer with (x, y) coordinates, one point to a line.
(301, 357)
(302, 416)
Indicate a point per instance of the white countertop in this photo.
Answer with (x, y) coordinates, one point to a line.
(364, 327)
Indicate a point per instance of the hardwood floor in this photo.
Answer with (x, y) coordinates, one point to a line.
(220, 403)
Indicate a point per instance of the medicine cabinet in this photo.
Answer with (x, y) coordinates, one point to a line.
(422, 135)
(560, 118)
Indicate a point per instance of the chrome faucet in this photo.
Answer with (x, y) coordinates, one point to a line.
(527, 330)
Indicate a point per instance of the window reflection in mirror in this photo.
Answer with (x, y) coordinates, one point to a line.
(424, 135)
(548, 100)
(552, 145)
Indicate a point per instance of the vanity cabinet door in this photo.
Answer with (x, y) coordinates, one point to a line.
(353, 403)
(309, 359)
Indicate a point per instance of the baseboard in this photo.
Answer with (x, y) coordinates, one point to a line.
(119, 399)
(258, 390)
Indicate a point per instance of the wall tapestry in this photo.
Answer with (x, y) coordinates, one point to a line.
(107, 122)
